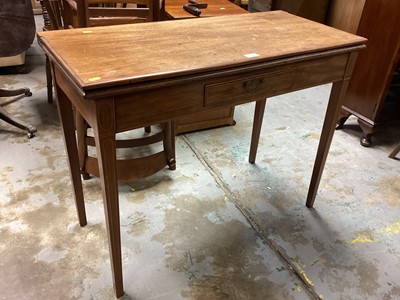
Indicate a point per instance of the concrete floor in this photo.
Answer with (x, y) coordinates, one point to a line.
(217, 227)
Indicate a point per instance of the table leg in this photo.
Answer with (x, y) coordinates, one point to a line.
(336, 98)
(328, 128)
(257, 123)
(104, 135)
(67, 120)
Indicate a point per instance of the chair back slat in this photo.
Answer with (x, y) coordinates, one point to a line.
(112, 12)
(112, 2)
(104, 12)
(115, 21)
(51, 9)
(70, 14)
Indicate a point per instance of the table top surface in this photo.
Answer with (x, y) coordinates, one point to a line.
(174, 9)
(101, 57)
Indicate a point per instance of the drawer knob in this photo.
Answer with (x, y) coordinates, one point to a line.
(252, 85)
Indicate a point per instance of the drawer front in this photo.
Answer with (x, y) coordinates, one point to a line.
(249, 88)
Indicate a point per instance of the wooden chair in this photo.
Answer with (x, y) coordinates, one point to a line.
(52, 17)
(116, 12)
(89, 13)
(52, 14)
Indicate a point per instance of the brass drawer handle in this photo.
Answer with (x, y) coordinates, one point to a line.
(252, 85)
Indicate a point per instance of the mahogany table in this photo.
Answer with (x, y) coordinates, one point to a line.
(130, 76)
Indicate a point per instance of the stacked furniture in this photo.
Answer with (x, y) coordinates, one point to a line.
(316, 10)
(368, 96)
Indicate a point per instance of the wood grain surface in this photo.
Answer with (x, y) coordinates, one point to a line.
(124, 54)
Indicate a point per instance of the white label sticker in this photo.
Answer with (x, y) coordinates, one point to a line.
(251, 55)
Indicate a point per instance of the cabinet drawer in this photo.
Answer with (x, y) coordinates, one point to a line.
(249, 88)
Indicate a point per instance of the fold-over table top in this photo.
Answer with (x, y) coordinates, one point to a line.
(124, 54)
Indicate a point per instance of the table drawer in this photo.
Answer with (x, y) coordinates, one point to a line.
(253, 88)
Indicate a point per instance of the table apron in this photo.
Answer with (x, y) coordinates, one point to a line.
(153, 106)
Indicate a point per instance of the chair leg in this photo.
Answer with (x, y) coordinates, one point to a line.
(4, 115)
(81, 132)
(169, 144)
(49, 79)
(10, 93)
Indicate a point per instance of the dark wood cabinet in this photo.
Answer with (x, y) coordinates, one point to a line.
(367, 94)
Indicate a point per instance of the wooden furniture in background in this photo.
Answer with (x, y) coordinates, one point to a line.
(52, 14)
(112, 12)
(345, 14)
(220, 116)
(52, 17)
(316, 10)
(174, 11)
(366, 97)
(285, 53)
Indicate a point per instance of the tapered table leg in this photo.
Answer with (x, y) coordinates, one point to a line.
(104, 134)
(336, 98)
(49, 78)
(67, 120)
(328, 128)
